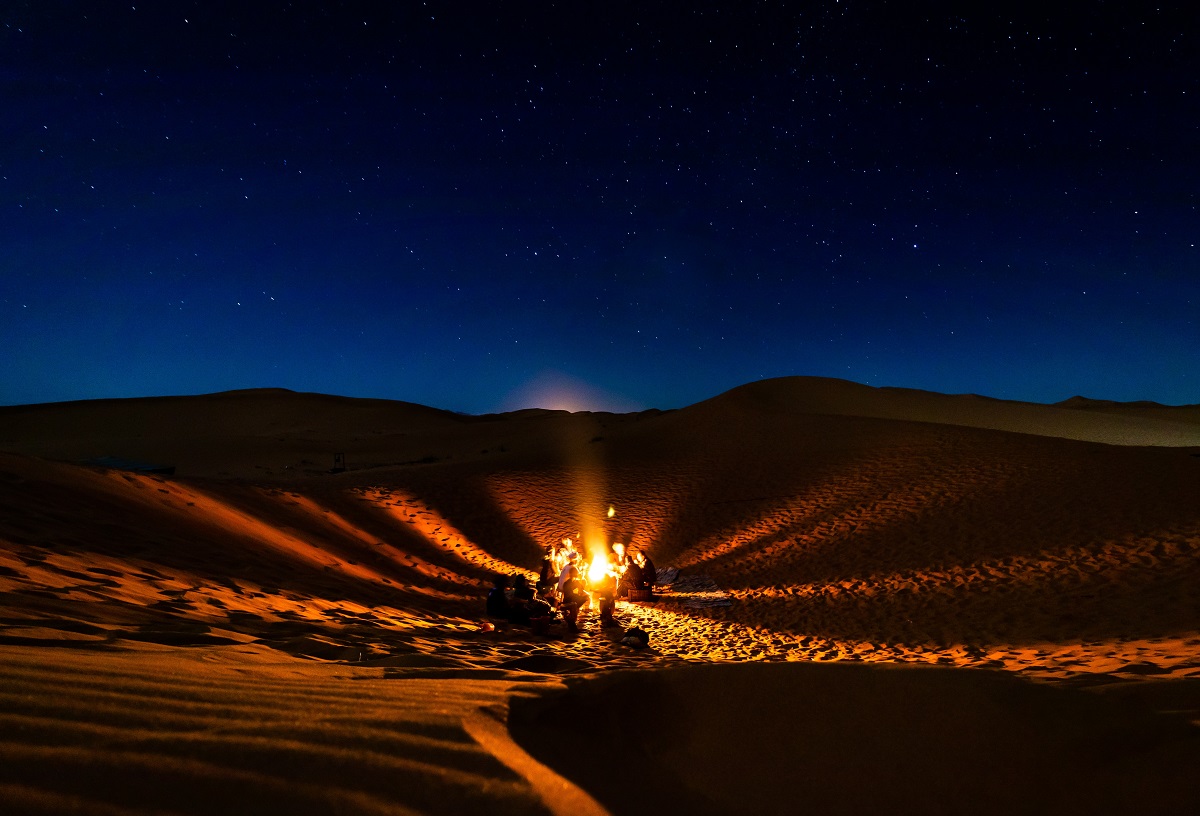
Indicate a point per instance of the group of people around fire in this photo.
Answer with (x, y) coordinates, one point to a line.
(565, 587)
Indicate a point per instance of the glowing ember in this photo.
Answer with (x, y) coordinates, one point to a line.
(611, 511)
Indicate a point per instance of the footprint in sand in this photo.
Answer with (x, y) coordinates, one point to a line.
(174, 606)
(103, 571)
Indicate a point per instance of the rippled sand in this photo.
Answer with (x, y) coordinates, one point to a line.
(312, 641)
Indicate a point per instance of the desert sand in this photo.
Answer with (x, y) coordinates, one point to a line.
(881, 600)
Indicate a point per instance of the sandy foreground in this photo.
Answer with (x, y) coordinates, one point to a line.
(886, 600)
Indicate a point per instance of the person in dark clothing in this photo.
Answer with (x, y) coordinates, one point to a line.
(522, 591)
(497, 599)
(649, 573)
(605, 590)
(526, 606)
(574, 596)
(518, 605)
(632, 579)
(545, 574)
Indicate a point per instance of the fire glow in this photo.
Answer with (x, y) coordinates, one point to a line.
(600, 568)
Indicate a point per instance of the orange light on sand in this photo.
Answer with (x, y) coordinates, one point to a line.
(612, 511)
(436, 529)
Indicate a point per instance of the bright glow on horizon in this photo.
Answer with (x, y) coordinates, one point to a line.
(555, 391)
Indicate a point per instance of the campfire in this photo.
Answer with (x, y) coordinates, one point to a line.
(601, 568)
(599, 563)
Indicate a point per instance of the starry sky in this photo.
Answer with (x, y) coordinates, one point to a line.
(482, 206)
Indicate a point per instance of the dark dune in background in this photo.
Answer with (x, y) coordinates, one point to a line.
(843, 522)
(275, 423)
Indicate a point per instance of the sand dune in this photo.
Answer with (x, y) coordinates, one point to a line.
(1077, 418)
(279, 434)
(247, 620)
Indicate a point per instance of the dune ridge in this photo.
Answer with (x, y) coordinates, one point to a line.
(1078, 418)
(277, 434)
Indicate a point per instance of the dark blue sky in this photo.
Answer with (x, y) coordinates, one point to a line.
(469, 205)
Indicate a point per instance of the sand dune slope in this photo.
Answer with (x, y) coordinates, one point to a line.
(210, 632)
(242, 733)
(1077, 418)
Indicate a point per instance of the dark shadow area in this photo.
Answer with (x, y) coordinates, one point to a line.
(172, 637)
(842, 739)
(549, 663)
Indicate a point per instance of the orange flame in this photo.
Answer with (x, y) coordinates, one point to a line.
(599, 568)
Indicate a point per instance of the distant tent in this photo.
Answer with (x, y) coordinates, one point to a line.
(117, 463)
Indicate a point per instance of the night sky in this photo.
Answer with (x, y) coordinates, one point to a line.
(485, 206)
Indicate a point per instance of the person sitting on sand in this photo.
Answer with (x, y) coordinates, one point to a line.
(564, 554)
(605, 590)
(574, 598)
(535, 605)
(497, 599)
(546, 573)
(555, 554)
(649, 573)
(631, 579)
(548, 593)
(567, 571)
(518, 605)
(525, 605)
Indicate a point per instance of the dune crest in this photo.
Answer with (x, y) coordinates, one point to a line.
(1112, 423)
